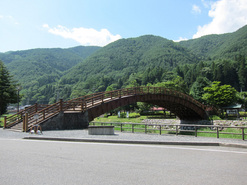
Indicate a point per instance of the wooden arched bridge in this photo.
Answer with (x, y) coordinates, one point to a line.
(77, 113)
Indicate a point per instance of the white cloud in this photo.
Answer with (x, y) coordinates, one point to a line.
(8, 19)
(180, 39)
(196, 9)
(228, 16)
(85, 36)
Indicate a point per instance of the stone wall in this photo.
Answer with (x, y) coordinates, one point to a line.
(66, 121)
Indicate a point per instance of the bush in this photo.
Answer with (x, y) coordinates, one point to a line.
(134, 115)
(123, 115)
(214, 117)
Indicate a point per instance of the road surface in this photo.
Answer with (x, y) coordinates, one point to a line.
(50, 162)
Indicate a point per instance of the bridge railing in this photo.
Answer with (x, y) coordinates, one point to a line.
(88, 101)
(18, 117)
(85, 102)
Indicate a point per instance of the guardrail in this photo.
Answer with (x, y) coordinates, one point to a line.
(172, 128)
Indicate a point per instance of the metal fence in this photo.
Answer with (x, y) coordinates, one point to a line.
(174, 128)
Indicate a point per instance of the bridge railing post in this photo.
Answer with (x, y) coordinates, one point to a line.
(36, 107)
(61, 105)
(25, 123)
(5, 122)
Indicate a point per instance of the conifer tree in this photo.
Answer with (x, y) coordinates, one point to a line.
(242, 72)
(7, 89)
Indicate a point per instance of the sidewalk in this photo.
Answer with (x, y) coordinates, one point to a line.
(123, 137)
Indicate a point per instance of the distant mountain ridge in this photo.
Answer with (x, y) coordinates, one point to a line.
(42, 72)
(219, 46)
(128, 56)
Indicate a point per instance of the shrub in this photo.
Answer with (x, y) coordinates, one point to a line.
(134, 115)
(123, 115)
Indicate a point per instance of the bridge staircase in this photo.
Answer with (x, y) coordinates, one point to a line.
(38, 114)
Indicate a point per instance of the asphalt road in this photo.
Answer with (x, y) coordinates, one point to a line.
(51, 162)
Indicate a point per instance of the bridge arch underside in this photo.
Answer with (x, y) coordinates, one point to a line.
(184, 109)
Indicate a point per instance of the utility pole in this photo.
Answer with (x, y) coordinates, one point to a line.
(18, 91)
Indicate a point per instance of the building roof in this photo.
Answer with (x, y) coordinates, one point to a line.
(235, 106)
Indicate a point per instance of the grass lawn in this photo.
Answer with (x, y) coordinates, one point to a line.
(115, 119)
(151, 129)
(2, 119)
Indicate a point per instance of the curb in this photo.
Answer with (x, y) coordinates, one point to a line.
(139, 142)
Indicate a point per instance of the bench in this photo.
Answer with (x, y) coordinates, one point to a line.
(101, 130)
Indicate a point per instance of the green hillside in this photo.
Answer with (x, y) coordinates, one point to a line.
(49, 74)
(124, 57)
(39, 69)
(219, 46)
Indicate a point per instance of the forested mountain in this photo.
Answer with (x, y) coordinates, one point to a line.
(118, 60)
(224, 46)
(48, 74)
(38, 69)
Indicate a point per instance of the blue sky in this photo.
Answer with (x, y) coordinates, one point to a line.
(28, 24)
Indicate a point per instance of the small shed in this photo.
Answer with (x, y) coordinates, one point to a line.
(232, 110)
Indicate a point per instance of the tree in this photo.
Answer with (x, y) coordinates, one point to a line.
(242, 72)
(7, 89)
(219, 95)
(197, 89)
(177, 84)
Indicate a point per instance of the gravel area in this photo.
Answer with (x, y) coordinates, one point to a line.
(83, 134)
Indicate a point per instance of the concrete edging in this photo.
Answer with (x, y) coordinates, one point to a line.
(139, 142)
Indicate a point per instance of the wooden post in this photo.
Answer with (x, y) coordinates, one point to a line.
(133, 128)
(176, 130)
(5, 122)
(243, 133)
(61, 105)
(145, 128)
(121, 127)
(160, 129)
(195, 131)
(36, 107)
(82, 105)
(26, 122)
